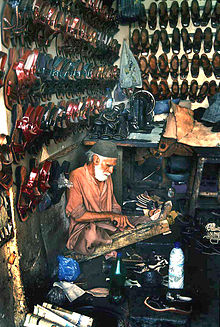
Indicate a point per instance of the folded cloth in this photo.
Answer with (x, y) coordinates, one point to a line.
(72, 291)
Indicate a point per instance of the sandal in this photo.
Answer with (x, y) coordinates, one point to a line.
(193, 90)
(184, 66)
(184, 90)
(175, 90)
(163, 66)
(203, 92)
(206, 65)
(174, 67)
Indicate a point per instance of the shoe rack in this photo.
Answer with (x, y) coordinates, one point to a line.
(144, 57)
(57, 58)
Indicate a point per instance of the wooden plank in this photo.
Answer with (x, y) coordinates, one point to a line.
(128, 237)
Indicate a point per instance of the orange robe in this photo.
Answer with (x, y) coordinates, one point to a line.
(84, 196)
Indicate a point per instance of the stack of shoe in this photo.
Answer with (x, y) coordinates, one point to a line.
(156, 71)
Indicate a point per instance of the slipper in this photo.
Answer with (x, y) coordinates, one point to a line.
(161, 304)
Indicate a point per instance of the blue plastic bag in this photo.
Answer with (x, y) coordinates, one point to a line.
(68, 269)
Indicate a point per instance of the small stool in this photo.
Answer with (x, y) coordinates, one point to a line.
(195, 178)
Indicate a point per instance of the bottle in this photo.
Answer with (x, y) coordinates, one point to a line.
(117, 280)
(176, 268)
(108, 101)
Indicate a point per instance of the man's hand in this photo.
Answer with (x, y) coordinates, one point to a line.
(121, 221)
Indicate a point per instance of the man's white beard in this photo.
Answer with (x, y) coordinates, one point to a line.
(99, 175)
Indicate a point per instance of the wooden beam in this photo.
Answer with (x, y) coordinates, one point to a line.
(122, 239)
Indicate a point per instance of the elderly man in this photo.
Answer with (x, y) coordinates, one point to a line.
(91, 204)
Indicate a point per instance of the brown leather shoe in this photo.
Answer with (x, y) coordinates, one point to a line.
(184, 66)
(187, 43)
(174, 13)
(206, 65)
(165, 41)
(155, 90)
(163, 14)
(184, 90)
(215, 16)
(153, 68)
(195, 12)
(195, 65)
(198, 36)
(185, 14)
(174, 67)
(135, 41)
(203, 92)
(207, 40)
(217, 40)
(152, 16)
(163, 66)
(164, 90)
(213, 89)
(155, 41)
(145, 45)
(216, 64)
(206, 15)
(175, 89)
(193, 90)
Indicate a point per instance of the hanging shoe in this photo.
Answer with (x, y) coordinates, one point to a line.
(175, 89)
(163, 66)
(164, 90)
(215, 16)
(206, 15)
(176, 41)
(207, 40)
(145, 45)
(195, 13)
(174, 14)
(135, 41)
(184, 67)
(195, 65)
(152, 16)
(153, 68)
(216, 64)
(163, 15)
(143, 64)
(155, 90)
(203, 92)
(213, 89)
(142, 18)
(187, 43)
(206, 65)
(174, 67)
(185, 14)
(155, 41)
(184, 90)
(198, 36)
(165, 41)
(193, 90)
(217, 40)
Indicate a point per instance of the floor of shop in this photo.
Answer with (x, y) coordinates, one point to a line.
(202, 275)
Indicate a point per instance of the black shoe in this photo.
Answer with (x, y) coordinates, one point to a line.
(216, 129)
(165, 41)
(206, 15)
(184, 67)
(217, 40)
(174, 13)
(207, 40)
(195, 65)
(216, 64)
(176, 41)
(152, 16)
(185, 14)
(142, 18)
(193, 90)
(184, 90)
(198, 36)
(174, 67)
(187, 43)
(155, 41)
(206, 65)
(163, 14)
(203, 92)
(215, 17)
(195, 14)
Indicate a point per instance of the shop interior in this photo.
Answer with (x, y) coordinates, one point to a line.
(145, 76)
